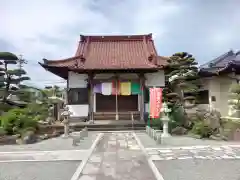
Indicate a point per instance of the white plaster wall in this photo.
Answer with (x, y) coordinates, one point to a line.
(219, 87)
(225, 84)
(104, 76)
(77, 80)
(78, 110)
(147, 107)
(156, 79)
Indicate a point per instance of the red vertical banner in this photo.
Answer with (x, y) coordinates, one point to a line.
(155, 102)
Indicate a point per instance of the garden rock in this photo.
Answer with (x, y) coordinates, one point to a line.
(213, 119)
(50, 120)
(43, 122)
(29, 137)
(216, 138)
(19, 141)
(7, 140)
(55, 133)
(44, 137)
(179, 130)
(2, 132)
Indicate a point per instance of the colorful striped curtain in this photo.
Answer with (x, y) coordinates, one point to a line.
(135, 88)
(115, 88)
(106, 88)
(125, 88)
(97, 88)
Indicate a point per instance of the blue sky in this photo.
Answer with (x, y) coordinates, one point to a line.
(51, 28)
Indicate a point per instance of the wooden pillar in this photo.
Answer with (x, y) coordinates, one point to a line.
(142, 87)
(91, 98)
(116, 87)
(67, 92)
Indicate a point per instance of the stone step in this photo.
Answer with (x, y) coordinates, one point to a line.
(105, 126)
(112, 115)
(117, 129)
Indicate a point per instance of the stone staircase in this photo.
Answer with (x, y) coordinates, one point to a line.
(99, 125)
(128, 126)
(135, 115)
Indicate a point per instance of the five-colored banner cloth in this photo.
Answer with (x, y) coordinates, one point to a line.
(123, 88)
(155, 102)
(106, 88)
(97, 88)
(135, 88)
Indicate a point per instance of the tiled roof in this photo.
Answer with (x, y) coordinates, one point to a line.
(113, 52)
(223, 63)
(222, 60)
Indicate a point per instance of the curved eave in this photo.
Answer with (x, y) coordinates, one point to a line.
(231, 67)
(105, 70)
(57, 70)
(60, 61)
(205, 73)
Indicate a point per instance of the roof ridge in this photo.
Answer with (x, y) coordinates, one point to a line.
(218, 59)
(115, 37)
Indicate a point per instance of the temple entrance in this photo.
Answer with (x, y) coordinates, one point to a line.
(128, 103)
(108, 103)
(105, 103)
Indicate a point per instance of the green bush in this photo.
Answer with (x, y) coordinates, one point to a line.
(156, 123)
(202, 129)
(17, 119)
(177, 116)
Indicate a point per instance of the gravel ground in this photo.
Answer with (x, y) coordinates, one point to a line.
(58, 143)
(61, 170)
(199, 169)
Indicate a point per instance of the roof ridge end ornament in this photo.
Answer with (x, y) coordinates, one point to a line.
(45, 61)
(82, 58)
(151, 57)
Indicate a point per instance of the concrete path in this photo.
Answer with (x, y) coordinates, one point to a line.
(117, 157)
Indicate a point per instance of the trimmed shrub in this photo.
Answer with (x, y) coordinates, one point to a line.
(202, 129)
(17, 119)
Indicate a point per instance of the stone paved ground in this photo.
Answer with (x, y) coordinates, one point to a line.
(118, 157)
(175, 141)
(121, 155)
(61, 170)
(185, 158)
(199, 169)
(195, 152)
(53, 159)
(53, 144)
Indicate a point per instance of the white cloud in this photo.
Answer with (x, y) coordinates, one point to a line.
(26, 24)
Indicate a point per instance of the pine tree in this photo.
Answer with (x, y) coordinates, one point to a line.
(181, 81)
(10, 78)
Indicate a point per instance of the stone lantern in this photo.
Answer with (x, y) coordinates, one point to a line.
(66, 114)
(165, 120)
